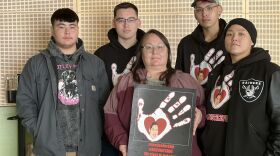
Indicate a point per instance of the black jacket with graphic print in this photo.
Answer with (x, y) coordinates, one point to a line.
(114, 52)
(195, 43)
(253, 107)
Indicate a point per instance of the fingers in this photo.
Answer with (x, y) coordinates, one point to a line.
(166, 100)
(209, 54)
(185, 109)
(177, 104)
(228, 79)
(219, 61)
(114, 68)
(115, 75)
(219, 56)
(123, 149)
(141, 103)
(140, 107)
(129, 65)
(183, 122)
(197, 119)
(192, 57)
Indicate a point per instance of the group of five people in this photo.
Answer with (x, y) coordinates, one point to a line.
(78, 104)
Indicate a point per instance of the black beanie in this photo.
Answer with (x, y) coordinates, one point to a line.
(248, 25)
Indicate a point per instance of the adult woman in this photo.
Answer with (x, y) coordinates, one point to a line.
(152, 66)
(246, 119)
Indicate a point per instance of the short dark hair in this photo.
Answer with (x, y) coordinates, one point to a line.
(125, 5)
(166, 75)
(64, 14)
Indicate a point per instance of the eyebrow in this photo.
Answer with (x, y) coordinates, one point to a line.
(239, 29)
(64, 23)
(125, 18)
(210, 5)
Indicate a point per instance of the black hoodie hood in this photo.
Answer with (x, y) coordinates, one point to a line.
(257, 54)
(198, 35)
(113, 37)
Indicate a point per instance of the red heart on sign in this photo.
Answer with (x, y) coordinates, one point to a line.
(161, 123)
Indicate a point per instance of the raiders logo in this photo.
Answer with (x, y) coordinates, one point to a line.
(250, 90)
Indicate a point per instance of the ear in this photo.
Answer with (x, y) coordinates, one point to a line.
(220, 10)
(78, 29)
(139, 22)
(52, 30)
(113, 23)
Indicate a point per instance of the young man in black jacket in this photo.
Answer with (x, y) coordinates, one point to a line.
(119, 54)
(242, 111)
(199, 52)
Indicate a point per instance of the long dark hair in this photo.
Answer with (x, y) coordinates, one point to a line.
(139, 64)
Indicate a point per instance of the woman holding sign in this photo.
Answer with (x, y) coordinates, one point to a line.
(152, 67)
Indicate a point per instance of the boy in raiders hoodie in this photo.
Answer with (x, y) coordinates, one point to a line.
(199, 52)
(243, 108)
(119, 54)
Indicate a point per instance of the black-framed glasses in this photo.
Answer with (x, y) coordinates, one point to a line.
(127, 20)
(210, 8)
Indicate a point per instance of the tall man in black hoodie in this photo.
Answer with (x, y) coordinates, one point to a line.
(119, 54)
(242, 111)
(199, 52)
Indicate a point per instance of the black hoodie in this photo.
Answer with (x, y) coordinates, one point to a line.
(115, 54)
(250, 101)
(195, 44)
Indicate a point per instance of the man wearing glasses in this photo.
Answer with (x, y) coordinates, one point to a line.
(119, 54)
(201, 51)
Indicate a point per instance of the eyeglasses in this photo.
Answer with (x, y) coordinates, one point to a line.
(206, 9)
(150, 48)
(128, 20)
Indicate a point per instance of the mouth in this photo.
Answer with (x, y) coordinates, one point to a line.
(155, 58)
(236, 45)
(206, 20)
(126, 31)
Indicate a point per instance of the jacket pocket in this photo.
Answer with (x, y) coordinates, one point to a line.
(90, 88)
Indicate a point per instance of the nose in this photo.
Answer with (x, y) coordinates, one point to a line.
(204, 12)
(155, 50)
(125, 23)
(234, 37)
(67, 31)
